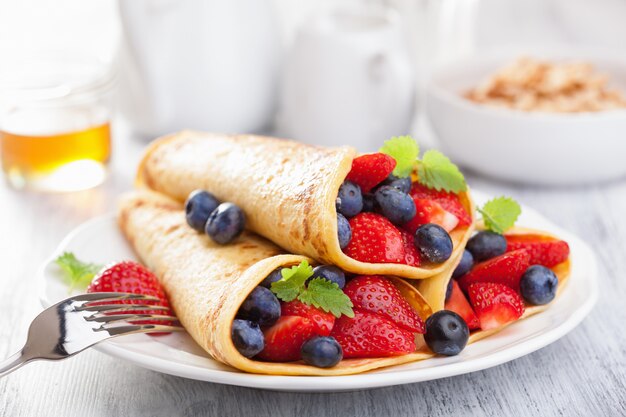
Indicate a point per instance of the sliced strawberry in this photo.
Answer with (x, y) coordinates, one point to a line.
(495, 304)
(131, 277)
(369, 335)
(411, 255)
(430, 211)
(459, 304)
(543, 250)
(323, 321)
(378, 295)
(506, 269)
(375, 239)
(284, 339)
(449, 201)
(370, 170)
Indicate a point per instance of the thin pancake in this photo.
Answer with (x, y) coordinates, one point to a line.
(287, 190)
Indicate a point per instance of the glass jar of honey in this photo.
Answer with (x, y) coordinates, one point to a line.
(55, 114)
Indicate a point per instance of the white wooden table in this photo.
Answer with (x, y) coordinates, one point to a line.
(584, 373)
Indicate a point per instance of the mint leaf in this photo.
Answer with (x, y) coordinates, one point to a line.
(404, 150)
(327, 295)
(436, 171)
(77, 273)
(292, 282)
(500, 214)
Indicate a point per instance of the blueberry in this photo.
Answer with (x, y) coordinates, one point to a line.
(395, 205)
(198, 208)
(466, 264)
(448, 291)
(247, 337)
(433, 243)
(486, 245)
(331, 273)
(261, 307)
(402, 184)
(344, 231)
(225, 223)
(369, 203)
(349, 199)
(323, 352)
(446, 333)
(538, 285)
(274, 276)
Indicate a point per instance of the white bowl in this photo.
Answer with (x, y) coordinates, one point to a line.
(529, 147)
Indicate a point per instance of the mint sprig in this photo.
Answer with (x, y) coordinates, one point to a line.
(404, 150)
(77, 274)
(434, 170)
(500, 214)
(319, 292)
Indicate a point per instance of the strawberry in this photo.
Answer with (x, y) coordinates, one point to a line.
(506, 269)
(411, 255)
(543, 250)
(429, 211)
(375, 239)
(378, 295)
(495, 304)
(450, 202)
(459, 304)
(134, 278)
(370, 170)
(368, 335)
(322, 321)
(284, 339)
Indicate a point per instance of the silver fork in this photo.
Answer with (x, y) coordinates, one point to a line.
(74, 324)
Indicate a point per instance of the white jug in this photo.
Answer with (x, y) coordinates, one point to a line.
(198, 64)
(348, 80)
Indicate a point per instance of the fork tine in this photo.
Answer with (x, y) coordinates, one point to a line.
(112, 296)
(139, 328)
(129, 317)
(114, 308)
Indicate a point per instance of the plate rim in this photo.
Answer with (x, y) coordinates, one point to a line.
(365, 380)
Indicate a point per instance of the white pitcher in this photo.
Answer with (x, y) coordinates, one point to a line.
(198, 64)
(348, 79)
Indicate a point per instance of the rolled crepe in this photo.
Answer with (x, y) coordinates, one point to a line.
(206, 283)
(434, 289)
(286, 189)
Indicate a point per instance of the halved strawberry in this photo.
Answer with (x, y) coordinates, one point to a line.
(369, 335)
(370, 170)
(323, 321)
(131, 277)
(459, 304)
(375, 239)
(411, 255)
(450, 202)
(495, 304)
(284, 339)
(506, 269)
(543, 250)
(376, 294)
(430, 211)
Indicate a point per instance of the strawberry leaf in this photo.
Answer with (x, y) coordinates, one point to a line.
(77, 273)
(500, 214)
(327, 295)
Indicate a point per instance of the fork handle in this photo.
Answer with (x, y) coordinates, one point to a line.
(12, 363)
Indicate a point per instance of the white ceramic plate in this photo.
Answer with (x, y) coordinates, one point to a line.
(100, 241)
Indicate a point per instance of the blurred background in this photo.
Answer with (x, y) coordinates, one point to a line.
(82, 83)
